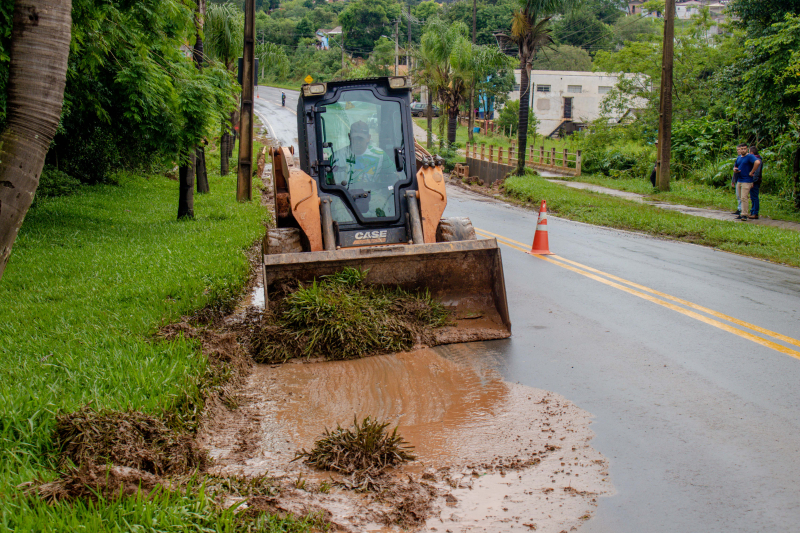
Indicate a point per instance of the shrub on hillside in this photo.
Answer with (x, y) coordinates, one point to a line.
(54, 182)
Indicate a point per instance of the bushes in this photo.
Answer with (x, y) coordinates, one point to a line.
(614, 150)
(54, 182)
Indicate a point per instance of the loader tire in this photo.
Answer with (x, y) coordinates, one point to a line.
(454, 229)
(282, 241)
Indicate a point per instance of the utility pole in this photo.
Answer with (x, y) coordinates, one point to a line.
(342, 47)
(665, 104)
(408, 50)
(471, 119)
(396, 44)
(245, 173)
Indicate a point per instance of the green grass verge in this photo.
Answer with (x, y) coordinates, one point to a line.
(758, 241)
(694, 194)
(91, 278)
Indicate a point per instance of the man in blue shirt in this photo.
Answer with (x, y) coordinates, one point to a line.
(746, 165)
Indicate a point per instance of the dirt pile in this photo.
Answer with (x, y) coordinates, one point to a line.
(128, 439)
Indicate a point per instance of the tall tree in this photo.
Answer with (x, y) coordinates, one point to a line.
(224, 32)
(530, 32)
(201, 172)
(40, 38)
(365, 20)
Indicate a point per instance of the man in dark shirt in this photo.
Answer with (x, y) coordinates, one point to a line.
(756, 184)
(746, 165)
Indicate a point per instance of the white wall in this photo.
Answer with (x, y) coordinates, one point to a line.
(549, 106)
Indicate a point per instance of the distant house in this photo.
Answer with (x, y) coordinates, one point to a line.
(324, 35)
(565, 101)
(635, 7)
(687, 10)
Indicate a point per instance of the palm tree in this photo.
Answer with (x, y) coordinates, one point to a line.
(530, 32)
(272, 56)
(431, 58)
(224, 32)
(453, 64)
(40, 39)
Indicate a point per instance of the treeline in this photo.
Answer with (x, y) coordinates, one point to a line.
(369, 28)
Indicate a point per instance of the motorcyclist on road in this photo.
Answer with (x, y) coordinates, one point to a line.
(283, 98)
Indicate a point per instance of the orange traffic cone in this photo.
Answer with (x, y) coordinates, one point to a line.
(541, 246)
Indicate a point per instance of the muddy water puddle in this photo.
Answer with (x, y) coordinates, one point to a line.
(491, 455)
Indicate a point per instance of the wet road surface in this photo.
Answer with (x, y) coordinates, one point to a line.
(280, 121)
(696, 411)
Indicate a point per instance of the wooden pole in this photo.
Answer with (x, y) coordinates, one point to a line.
(396, 44)
(578, 162)
(665, 117)
(245, 173)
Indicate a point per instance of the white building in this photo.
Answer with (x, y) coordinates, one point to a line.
(687, 10)
(566, 99)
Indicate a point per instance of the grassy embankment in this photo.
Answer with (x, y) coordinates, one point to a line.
(291, 85)
(694, 194)
(757, 241)
(91, 278)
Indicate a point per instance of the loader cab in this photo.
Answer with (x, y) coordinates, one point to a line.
(356, 142)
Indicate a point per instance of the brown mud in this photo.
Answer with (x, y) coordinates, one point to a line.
(490, 455)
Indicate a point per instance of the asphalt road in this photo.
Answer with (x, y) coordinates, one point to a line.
(687, 357)
(280, 121)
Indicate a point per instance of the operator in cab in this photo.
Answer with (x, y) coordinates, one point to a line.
(361, 162)
(366, 172)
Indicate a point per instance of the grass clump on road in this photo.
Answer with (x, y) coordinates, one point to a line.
(365, 450)
(343, 317)
(764, 242)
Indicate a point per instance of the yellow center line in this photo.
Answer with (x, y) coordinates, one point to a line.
(730, 329)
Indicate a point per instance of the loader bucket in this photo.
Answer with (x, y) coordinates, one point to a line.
(465, 276)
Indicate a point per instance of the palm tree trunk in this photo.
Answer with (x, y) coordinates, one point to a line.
(524, 101)
(223, 150)
(40, 38)
(430, 119)
(471, 121)
(186, 187)
(452, 123)
(201, 171)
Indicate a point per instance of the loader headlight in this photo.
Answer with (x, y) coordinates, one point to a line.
(398, 83)
(315, 89)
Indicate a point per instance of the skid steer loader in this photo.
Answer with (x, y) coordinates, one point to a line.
(363, 194)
